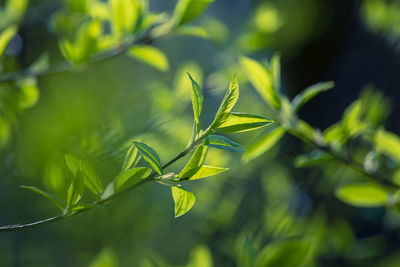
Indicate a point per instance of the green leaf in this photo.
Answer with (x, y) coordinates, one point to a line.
(183, 198)
(288, 253)
(125, 14)
(206, 171)
(47, 195)
(263, 144)
(188, 10)
(309, 93)
(197, 100)
(150, 55)
(6, 36)
(195, 162)
(75, 190)
(91, 179)
(222, 142)
(236, 122)
(150, 155)
(388, 144)
(85, 206)
(363, 195)
(192, 30)
(276, 71)
(260, 78)
(130, 157)
(130, 177)
(228, 102)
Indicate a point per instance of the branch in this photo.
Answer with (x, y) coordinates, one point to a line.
(19, 227)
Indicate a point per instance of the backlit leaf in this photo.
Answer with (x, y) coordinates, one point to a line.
(130, 157)
(235, 122)
(195, 162)
(6, 36)
(206, 171)
(130, 177)
(183, 198)
(263, 144)
(150, 155)
(363, 195)
(197, 100)
(260, 78)
(150, 55)
(388, 144)
(222, 142)
(188, 10)
(309, 93)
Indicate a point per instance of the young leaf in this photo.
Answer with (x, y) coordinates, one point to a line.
(388, 144)
(206, 171)
(309, 93)
(40, 64)
(150, 55)
(183, 198)
(73, 163)
(47, 195)
(75, 190)
(197, 100)
(125, 14)
(130, 157)
(188, 10)
(222, 142)
(195, 162)
(276, 71)
(287, 253)
(6, 36)
(363, 195)
(236, 122)
(262, 145)
(150, 155)
(91, 179)
(130, 177)
(316, 157)
(228, 102)
(84, 206)
(260, 78)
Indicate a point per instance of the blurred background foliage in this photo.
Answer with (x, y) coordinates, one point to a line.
(266, 212)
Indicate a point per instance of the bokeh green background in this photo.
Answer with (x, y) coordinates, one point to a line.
(96, 111)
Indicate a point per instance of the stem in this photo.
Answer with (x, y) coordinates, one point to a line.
(349, 162)
(19, 227)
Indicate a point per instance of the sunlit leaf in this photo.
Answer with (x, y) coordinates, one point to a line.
(90, 178)
(106, 258)
(288, 253)
(276, 71)
(206, 171)
(197, 100)
(183, 198)
(200, 256)
(228, 102)
(75, 190)
(125, 14)
(260, 78)
(363, 195)
(222, 142)
(388, 144)
(130, 177)
(263, 144)
(195, 162)
(192, 30)
(47, 195)
(130, 157)
(309, 93)
(6, 36)
(150, 155)
(235, 122)
(150, 55)
(188, 10)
